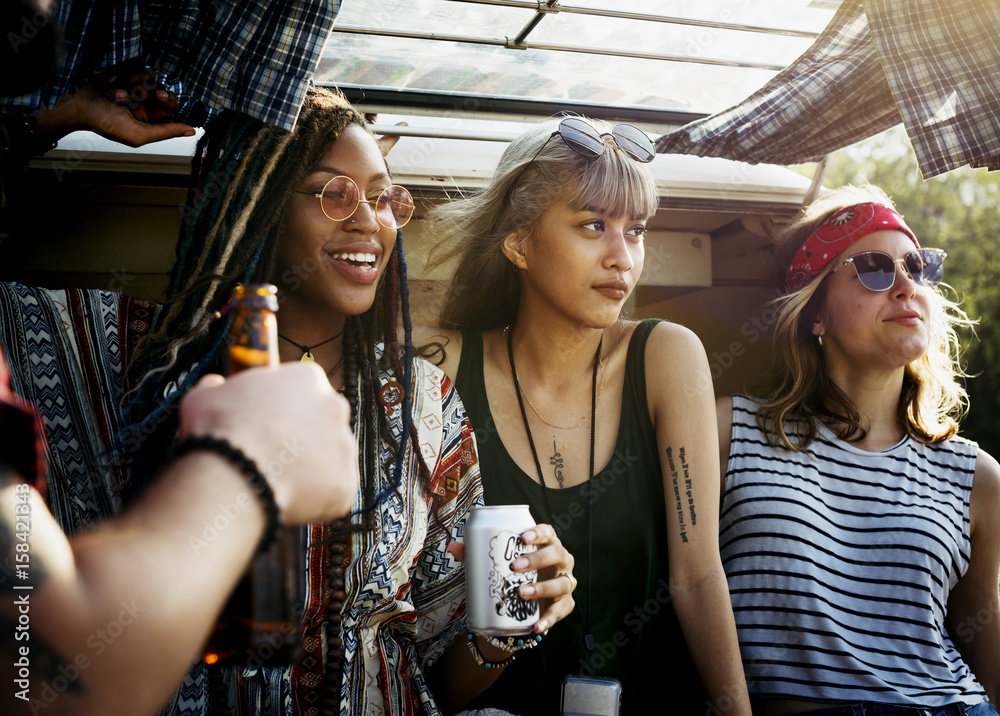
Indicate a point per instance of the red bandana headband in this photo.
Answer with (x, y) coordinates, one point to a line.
(836, 234)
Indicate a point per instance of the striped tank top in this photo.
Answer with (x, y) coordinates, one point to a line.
(840, 563)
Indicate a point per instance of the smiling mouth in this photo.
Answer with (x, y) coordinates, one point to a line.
(359, 259)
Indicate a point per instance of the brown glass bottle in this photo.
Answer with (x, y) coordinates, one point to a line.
(262, 622)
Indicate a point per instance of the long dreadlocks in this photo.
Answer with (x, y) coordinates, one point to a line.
(243, 175)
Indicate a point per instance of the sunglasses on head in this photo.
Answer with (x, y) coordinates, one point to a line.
(583, 138)
(341, 197)
(877, 269)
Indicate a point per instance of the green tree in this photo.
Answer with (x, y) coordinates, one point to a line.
(960, 213)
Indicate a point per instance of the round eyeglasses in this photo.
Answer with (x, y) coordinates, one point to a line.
(877, 269)
(341, 197)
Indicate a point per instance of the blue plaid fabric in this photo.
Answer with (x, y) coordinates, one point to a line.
(931, 64)
(254, 57)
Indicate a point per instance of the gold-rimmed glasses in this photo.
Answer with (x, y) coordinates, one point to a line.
(340, 198)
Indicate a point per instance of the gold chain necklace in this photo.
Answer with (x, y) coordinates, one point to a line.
(600, 389)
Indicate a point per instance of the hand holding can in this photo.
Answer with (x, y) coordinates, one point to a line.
(492, 543)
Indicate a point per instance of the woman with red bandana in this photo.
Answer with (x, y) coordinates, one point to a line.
(858, 532)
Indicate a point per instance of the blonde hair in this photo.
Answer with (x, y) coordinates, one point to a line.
(932, 400)
(535, 171)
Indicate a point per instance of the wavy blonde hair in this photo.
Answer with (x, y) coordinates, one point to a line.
(932, 399)
(535, 171)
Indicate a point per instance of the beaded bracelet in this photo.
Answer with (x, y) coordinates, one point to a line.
(516, 643)
(244, 464)
(480, 660)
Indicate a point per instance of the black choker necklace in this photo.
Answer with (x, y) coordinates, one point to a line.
(307, 355)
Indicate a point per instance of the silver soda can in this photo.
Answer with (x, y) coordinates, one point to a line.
(492, 542)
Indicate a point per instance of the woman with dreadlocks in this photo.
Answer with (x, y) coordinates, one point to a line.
(314, 212)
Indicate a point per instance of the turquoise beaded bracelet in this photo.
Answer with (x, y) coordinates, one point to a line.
(481, 660)
(516, 643)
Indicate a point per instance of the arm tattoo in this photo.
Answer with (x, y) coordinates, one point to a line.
(683, 494)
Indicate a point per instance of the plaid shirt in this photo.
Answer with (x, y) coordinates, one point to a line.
(931, 64)
(22, 437)
(254, 57)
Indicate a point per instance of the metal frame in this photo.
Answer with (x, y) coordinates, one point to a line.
(553, 7)
(415, 101)
(518, 44)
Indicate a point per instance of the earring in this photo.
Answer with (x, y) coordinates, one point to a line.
(515, 266)
(819, 339)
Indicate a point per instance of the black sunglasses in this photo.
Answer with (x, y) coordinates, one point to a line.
(877, 269)
(583, 138)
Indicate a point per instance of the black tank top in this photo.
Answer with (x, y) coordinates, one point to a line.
(638, 638)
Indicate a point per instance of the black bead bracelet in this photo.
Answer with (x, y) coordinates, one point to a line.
(239, 460)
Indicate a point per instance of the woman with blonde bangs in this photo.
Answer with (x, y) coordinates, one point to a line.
(859, 532)
(592, 420)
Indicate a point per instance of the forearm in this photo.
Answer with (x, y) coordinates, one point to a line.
(706, 617)
(456, 678)
(56, 123)
(973, 622)
(983, 656)
(120, 613)
(21, 138)
(973, 617)
(160, 575)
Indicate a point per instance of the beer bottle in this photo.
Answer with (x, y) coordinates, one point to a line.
(261, 623)
(253, 338)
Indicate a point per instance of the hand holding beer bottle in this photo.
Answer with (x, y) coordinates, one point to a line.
(277, 414)
(261, 624)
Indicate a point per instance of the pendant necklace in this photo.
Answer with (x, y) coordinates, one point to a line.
(508, 350)
(307, 356)
(588, 638)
